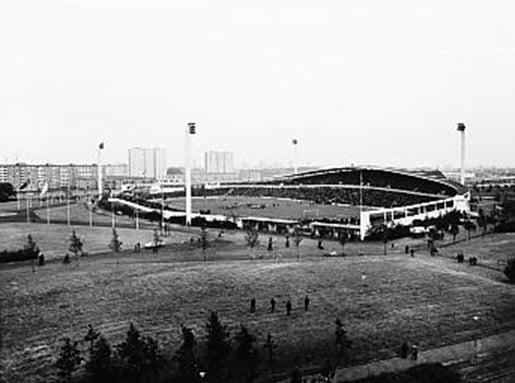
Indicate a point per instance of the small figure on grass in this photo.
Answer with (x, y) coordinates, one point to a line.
(287, 243)
(272, 305)
(270, 244)
(288, 307)
(66, 259)
(306, 303)
(320, 246)
(404, 350)
(41, 259)
(253, 305)
(414, 352)
(412, 252)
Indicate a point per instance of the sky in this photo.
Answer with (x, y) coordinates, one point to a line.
(356, 82)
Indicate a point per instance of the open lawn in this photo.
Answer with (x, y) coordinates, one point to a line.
(381, 300)
(53, 240)
(273, 207)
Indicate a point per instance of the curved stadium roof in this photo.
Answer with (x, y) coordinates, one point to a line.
(424, 181)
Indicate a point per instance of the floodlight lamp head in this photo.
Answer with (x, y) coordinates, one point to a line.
(191, 128)
(461, 127)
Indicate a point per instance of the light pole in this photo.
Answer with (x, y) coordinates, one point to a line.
(461, 129)
(190, 130)
(295, 143)
(100, 148)
(476, 319)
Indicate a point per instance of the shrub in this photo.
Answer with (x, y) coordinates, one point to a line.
(509, 270)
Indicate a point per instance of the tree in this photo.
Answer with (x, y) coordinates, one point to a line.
(204, 241)
(247, 353)
(139, 355)
(91, 336)
(252, 239)
(69, 359)
(385, 238)
(342, 239)
(115, 245)
(469, 226)
(509, 270)
(76, 245)
(297, 239)
(218, 347)
(156, 240)
(482, 221)
(187, 371)
(454, 230)
(100, 363)
(341, 336)
(32, 249)
(270, 346)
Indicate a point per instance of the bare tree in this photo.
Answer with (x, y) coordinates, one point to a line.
(252, 239)
(297, 239)
(204, 241)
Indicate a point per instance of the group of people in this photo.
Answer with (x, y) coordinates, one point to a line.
(273, 303)
(405, 351)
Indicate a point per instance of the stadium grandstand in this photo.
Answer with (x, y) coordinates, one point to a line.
(389, 196)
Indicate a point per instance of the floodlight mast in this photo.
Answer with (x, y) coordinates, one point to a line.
(295, 142)
(190, 130)
(461, 129)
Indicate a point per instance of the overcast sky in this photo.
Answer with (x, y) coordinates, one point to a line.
(363, 82)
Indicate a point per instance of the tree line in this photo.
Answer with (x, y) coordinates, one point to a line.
(219, 357)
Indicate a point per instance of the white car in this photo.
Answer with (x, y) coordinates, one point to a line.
(152, 244)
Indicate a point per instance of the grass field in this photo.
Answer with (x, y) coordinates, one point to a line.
(53, 240)
(274, 207)
(381, 300)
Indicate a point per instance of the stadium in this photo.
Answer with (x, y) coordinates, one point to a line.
(372, 196)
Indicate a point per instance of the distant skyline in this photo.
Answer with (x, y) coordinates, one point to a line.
(370, 82)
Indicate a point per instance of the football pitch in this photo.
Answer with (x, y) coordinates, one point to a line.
(382, 302)
(265, 207)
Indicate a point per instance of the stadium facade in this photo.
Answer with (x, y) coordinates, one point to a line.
(389, 196)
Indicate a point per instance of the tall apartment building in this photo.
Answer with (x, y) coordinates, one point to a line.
(147, 163)
(57, 176)
(218, 162)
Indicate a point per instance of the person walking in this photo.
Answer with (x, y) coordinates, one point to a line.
(288, 307)
(306, 303)
(414, 352)
(404, 350)
(253, 305)
(272, 305)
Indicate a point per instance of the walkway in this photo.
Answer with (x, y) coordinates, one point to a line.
(470, 352)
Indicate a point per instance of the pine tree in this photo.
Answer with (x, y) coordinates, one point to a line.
(100, 363)
(75, 245)
(139, 355)
(131, 352)
(247, 352)
(115, 244)
(186, 358)
(69, 359)
(509, 270)
(218, 347)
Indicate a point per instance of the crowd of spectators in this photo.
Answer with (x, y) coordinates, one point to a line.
(379, 178)
(325, 195)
